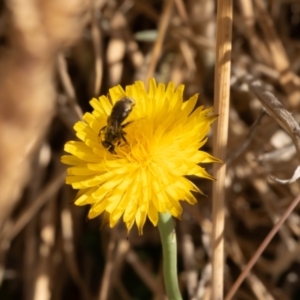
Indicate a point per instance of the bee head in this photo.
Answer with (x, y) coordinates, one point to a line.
(128, 104)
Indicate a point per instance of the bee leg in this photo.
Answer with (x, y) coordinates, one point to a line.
(123, 132)
(126, 124)
(123, 137)
(109, 147)
(101, 130)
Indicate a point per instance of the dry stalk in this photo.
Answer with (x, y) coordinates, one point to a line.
(288, 79)
(109, 266)
(28, 214)
(243, 147)
(68, 86)
(116, 48)
(68, 245)
(221, 99)
(144, 274)
(163, 25)
(97, 44)
(235, 253)
(262, 247)
(276, 110)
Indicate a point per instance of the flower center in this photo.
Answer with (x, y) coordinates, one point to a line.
(141, 139)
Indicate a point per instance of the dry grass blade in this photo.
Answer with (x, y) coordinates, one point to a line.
(162, 30)
(132, 259)
(262, 247)
(116, 49)
(235, 253)
(68, 86)
(252, 132)
(275, 109)
(68, 243)
(109, 266)
(97, 43)
(289, 81)
(28, 214)
(221, 99)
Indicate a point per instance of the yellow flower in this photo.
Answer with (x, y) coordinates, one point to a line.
(146, 175)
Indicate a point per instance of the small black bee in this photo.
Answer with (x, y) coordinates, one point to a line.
(113, 132)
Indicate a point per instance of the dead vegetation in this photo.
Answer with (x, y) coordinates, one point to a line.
(56, 55)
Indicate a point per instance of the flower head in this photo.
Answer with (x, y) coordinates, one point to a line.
(146, 174)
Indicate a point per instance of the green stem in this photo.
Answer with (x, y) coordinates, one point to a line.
(169, 245)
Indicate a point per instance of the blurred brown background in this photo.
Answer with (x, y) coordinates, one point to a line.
(54, 57)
